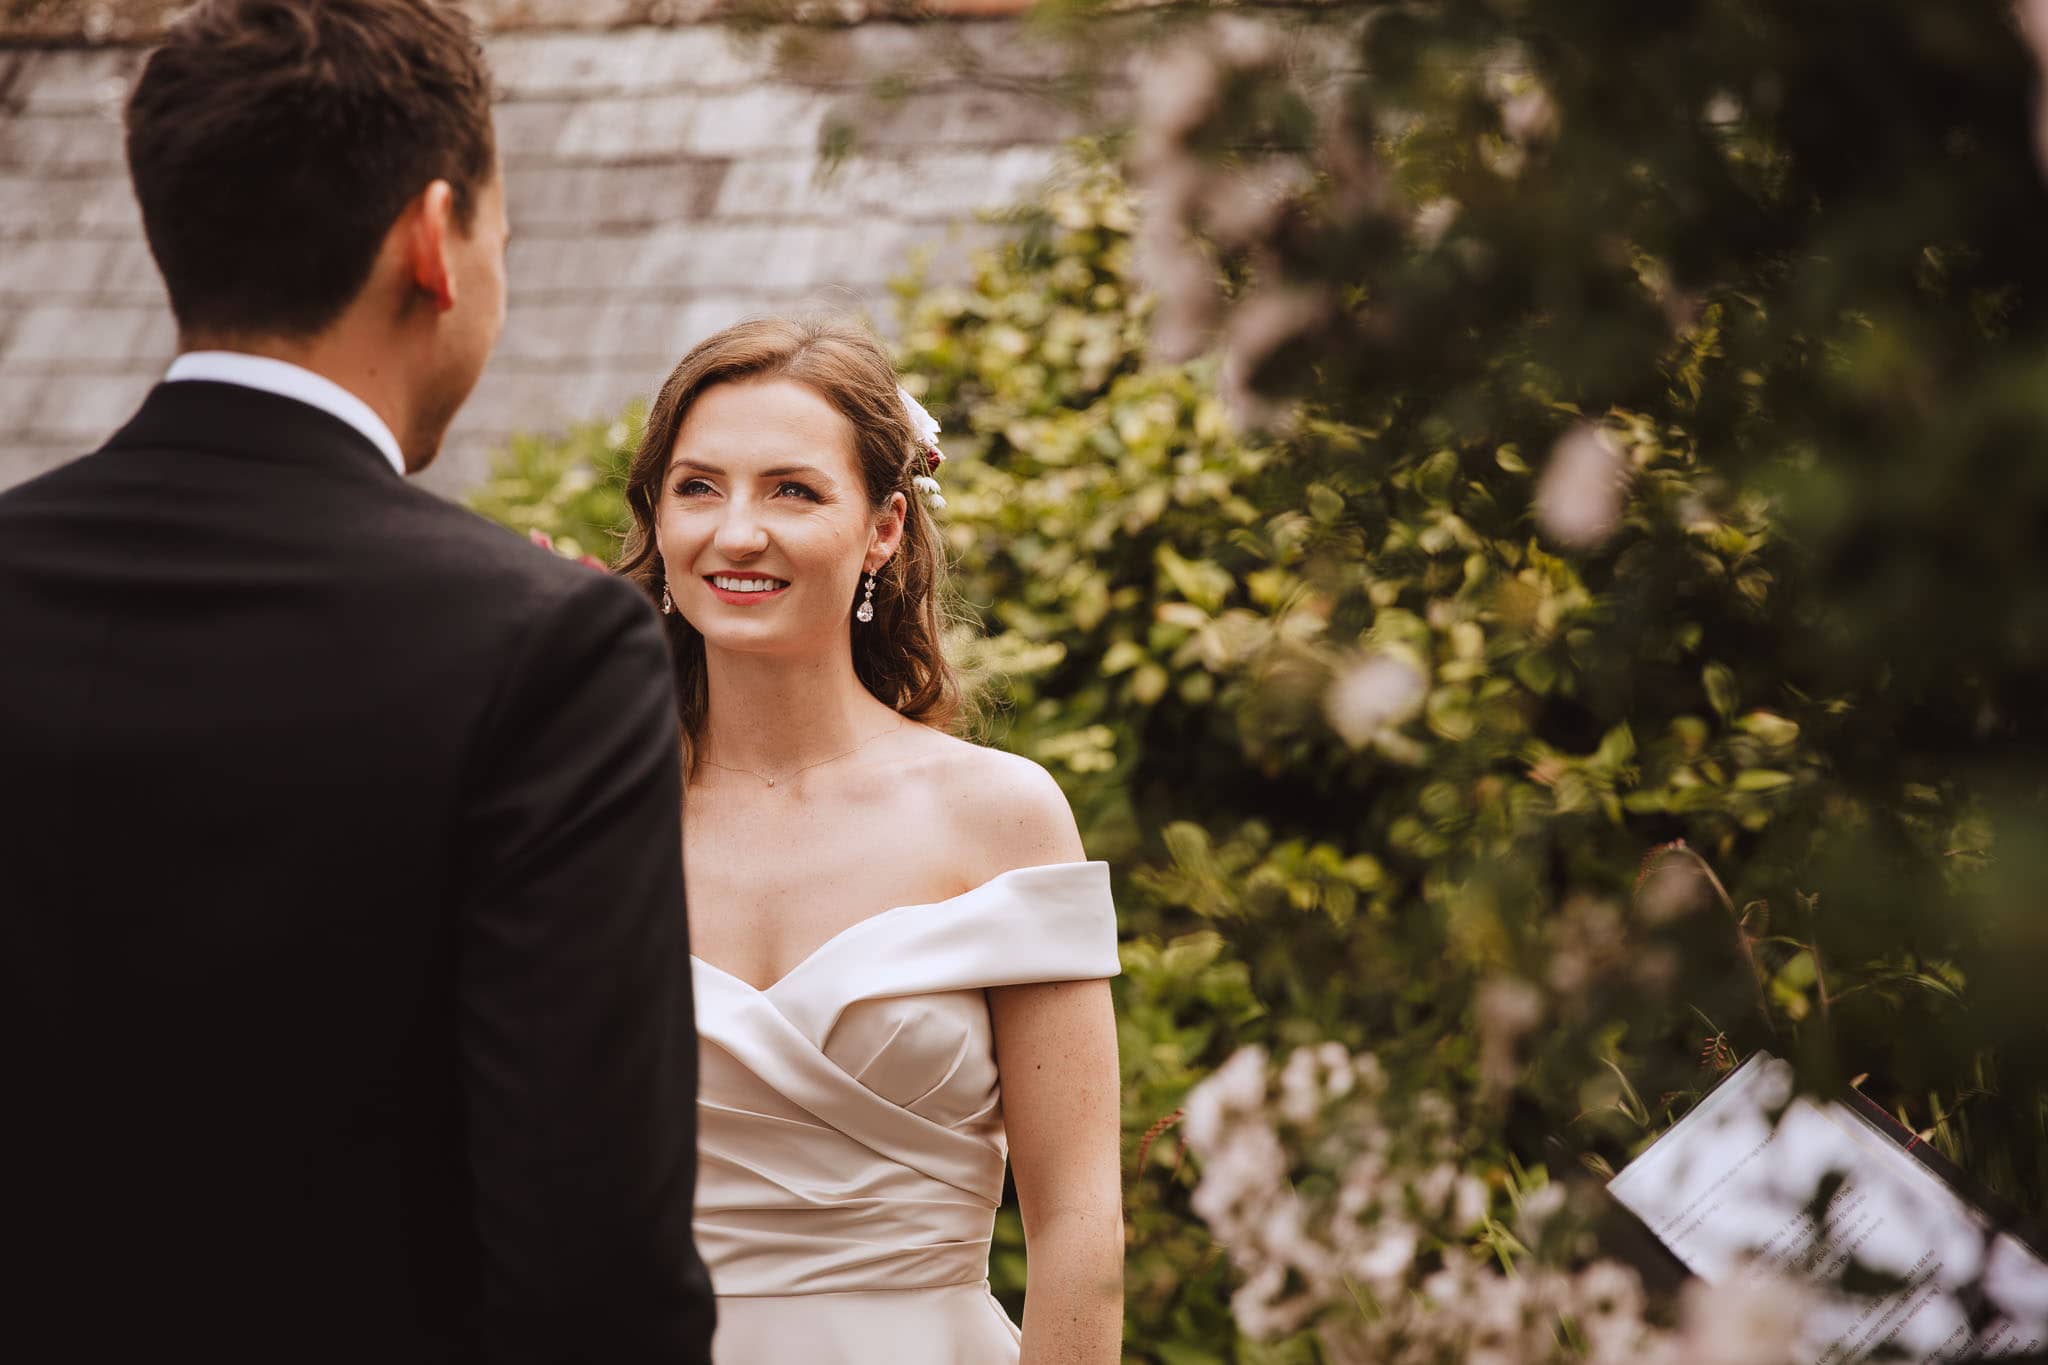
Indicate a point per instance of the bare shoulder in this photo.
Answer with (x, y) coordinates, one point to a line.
(1003, 806)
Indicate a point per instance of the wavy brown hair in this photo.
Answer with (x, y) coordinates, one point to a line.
(900, 655)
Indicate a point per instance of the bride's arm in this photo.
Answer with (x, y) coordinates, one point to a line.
(1056, 1054)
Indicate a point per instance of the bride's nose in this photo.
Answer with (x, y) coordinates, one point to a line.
(740, 532)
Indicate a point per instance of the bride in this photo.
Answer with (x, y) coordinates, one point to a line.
(902, 959)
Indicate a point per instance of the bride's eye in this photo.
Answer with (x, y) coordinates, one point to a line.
(791, 488)
(690, 488)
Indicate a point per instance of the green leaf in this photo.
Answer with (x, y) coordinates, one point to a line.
(1325, 504)
(1719, 681)
(1122, 656)
(1200, 581)
(1617, 747)
(1535, 671)
(1191, 954)
(1187, 844)
(1437, 475)
(1773, 730)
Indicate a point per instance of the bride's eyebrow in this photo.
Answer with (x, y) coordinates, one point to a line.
(782, 471)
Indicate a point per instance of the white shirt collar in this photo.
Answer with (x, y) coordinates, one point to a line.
(287, 380)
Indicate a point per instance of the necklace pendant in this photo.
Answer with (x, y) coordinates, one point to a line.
(769, 780)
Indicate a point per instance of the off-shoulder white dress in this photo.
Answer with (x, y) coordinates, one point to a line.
(851, 1128)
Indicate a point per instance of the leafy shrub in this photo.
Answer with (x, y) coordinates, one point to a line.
(1340, 706)
(1382, 766)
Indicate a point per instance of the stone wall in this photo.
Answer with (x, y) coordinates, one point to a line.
(663, 181)
(132, 21)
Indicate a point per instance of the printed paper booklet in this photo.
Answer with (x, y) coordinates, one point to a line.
(1730, 1189)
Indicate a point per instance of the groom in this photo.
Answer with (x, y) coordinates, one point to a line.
(344, 993)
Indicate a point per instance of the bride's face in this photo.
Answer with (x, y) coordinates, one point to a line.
(764, 524)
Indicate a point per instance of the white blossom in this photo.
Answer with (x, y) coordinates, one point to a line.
(1255, 329)
(924, 428)
(1579, 499)
(1339, 1075)
(1539, 1206)
(1301, 1093)
(1752, 1321)
(1241, 207)
(1507, 1009)
(1469, 1200)
(1607, 1303)
(1722, 110)
(1371, 696)
(1173, 268)
(1589, 938)
(1433, 220)
(1673, 888)
(1434, 1111)
(1392, 1231)
(1387, 1254)
(1177, 88)
(1529, 116)
(1239, 1085)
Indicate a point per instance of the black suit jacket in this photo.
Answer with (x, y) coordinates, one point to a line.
(344, 986)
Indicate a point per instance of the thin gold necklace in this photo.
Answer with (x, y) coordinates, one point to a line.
(770, 781)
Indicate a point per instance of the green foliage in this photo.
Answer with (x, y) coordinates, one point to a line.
(1178, 1004)
(1168, 606)
(1779, 254)
(570, 489)
(1373, 753)
(1774, 256)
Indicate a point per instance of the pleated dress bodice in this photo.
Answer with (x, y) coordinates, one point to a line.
(850, 1125)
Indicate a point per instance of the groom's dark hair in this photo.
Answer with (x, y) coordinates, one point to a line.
(273, 143)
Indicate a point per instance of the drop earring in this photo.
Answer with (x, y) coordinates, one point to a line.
(668, 604)
(865, 612)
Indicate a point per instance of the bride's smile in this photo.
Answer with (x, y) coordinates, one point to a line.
(764, 506)
(744, 589)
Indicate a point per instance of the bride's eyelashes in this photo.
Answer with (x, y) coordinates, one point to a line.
(789, 488)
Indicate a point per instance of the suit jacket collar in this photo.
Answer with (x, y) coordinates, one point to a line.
(287, 380)
(232, 419)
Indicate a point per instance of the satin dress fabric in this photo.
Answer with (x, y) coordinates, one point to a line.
(851, 1140)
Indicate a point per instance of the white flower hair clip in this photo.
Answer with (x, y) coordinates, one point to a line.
(925, 432)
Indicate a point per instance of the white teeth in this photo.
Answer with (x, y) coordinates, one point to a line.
(731, 584)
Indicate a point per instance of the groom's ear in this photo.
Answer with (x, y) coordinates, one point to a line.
(427, 230)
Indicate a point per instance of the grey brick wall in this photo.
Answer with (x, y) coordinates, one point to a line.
(663, 182)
